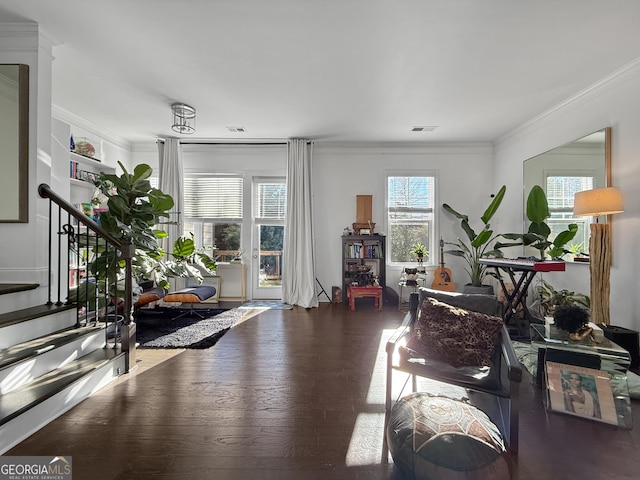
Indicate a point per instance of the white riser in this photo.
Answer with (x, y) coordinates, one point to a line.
(22, 373)
(19, 300)
(38, 327)
(23, 426)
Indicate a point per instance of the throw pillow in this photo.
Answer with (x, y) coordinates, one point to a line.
(454, 335)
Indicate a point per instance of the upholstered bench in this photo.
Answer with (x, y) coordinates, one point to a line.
(190, 295)
(435, 437)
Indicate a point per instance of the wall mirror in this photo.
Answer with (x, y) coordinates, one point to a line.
(583, 164)
(14, 143)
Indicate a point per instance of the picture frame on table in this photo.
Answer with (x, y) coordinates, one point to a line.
(352, 265)
(580, 391)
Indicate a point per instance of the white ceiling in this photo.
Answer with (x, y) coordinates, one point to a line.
(338, 70)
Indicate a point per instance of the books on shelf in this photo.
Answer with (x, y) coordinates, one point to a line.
(361, 250)
(77, 172)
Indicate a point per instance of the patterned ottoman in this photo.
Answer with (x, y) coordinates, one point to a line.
(434, 437)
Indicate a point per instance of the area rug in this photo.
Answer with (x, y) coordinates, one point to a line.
(186, 332)
(270, 304)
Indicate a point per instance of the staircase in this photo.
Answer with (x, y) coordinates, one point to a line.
(48, 364)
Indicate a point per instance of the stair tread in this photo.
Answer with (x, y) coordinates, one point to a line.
(35, 347)
(20, 400)
(17, 287)
(18, 316)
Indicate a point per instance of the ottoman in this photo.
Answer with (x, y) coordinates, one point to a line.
(435, 437)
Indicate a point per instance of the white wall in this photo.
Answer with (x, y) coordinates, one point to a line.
(340, 172)
(612, 102)
(25, 244)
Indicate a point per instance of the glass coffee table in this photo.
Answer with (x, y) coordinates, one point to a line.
(613, 359)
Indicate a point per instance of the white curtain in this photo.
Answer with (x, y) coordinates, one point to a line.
(171, 182)
(299, 276)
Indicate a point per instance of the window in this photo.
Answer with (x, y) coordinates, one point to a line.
(269, 208)
(270, 200)
(410, 205)
(213, 214)
(560, 193)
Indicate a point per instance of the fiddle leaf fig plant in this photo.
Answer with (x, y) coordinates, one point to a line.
(478, 245)
(187, 261)
(537, 236)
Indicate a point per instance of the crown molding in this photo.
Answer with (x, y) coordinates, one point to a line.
(602, 86)
(73, 119)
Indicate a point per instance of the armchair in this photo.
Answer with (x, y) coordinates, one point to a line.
(494, 389)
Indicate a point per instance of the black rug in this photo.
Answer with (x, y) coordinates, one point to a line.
(186, 332)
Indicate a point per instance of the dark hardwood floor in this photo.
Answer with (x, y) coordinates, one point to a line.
(290, 394)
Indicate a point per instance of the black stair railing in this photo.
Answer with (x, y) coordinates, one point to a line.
(73, 239)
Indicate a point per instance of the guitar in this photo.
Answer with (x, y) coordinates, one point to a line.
(442, 276)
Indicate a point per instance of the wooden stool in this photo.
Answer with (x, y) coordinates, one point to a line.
(362, 292)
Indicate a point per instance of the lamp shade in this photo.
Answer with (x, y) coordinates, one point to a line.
(599, 201)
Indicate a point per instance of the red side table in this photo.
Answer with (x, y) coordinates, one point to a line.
(361, 292)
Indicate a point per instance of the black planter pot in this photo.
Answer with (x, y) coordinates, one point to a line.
(481, 290)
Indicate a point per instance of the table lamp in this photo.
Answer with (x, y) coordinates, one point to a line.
(593, 203)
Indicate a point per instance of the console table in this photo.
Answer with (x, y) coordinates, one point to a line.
(362, 292)
(614, 360)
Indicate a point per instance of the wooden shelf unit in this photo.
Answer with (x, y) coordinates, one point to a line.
(360, 250)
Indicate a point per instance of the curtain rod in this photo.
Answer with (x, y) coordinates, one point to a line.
(220, 142)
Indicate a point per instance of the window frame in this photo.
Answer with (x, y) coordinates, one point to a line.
(585, 222)
(200, 222)
(432, 247)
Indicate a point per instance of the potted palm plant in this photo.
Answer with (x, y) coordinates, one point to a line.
(477, 245)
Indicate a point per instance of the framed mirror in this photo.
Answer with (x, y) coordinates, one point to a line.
(582, 164)
(14, 143)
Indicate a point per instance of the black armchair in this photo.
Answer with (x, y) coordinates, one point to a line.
(495, 389)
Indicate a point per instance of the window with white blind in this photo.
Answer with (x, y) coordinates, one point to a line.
(270, 200)
(561, 190)
(410, 219)
(213, 214)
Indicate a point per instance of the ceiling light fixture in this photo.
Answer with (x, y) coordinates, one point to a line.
(184, 118)
(424, 129)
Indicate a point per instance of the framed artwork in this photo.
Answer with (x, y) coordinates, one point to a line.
(352, 265)
(580, 391)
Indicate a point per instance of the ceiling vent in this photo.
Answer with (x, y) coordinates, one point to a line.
(424, 129)
(237, 129)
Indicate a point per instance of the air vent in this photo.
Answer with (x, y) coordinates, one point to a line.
(237, 129)
(424, 129)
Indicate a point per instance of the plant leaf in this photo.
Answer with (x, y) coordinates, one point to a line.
(537, 206)
(493, 206)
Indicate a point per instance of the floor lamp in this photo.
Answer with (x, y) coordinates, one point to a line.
(593, 203)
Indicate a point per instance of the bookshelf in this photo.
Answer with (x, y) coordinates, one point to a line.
(362, 250)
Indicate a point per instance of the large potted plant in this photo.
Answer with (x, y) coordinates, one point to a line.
(477, 245)
(133, 211)
(539, 233)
